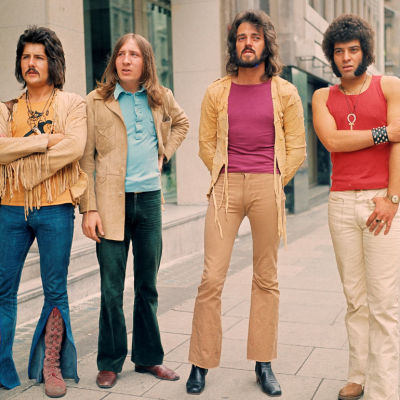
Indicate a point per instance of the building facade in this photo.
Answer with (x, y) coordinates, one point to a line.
(189, 41)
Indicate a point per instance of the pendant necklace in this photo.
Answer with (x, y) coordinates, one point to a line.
(34, 117)
(351, 118)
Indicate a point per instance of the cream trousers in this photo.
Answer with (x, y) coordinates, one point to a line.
(250, 195)
(369, 269)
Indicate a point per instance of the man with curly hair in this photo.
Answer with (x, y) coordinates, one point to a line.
(358, 122)
(263, 115)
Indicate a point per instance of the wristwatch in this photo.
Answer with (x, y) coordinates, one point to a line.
(394, 199)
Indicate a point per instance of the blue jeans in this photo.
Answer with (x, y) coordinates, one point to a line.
(53, 227)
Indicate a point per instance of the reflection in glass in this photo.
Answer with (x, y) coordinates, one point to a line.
(160, 37)
(121, 13)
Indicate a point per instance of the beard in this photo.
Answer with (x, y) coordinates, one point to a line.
(249, 64)
(362, 67)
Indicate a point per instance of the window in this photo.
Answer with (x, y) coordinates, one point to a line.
(105, 22)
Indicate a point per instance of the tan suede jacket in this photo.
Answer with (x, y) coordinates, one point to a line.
(107, 150)
(28, 161)
(290, 144)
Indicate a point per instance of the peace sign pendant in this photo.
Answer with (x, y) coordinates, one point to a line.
(352, 119)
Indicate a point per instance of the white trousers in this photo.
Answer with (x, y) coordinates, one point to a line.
(369, 269)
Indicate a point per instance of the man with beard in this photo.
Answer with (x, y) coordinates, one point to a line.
(264, 118)
(356, 121)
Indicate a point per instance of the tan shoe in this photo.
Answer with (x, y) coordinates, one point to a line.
(352, 391)
(159, 371)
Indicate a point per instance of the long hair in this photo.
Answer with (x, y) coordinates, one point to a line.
(344, 29)
(54, 52)
(258, 18)
(148, 79)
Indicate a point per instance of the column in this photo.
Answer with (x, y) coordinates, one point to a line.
(197, 63)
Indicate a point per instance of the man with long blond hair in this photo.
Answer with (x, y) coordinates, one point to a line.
(134, 126)
(252, 135)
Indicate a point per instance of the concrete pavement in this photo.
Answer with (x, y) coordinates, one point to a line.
(312, 354)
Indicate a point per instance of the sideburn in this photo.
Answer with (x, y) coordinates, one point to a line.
(363, 66)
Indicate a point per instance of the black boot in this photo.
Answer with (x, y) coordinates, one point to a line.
(266, 377)
(197, 380)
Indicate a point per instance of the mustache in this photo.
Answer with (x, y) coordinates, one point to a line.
(31, 69)
(248, 49)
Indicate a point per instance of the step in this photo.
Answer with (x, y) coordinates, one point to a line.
(83, 254)
(183, 234)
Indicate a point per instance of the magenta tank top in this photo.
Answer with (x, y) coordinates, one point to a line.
(251, 136)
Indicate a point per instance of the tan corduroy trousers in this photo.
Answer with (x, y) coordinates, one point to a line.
(250, 195)
(369, 269)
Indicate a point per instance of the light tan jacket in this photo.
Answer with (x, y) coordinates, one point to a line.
(107, 150)
(290, 144)
(29, 161)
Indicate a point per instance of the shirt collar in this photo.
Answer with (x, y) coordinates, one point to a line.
(119, 89)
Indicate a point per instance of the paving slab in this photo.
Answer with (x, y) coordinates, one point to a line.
(232, 384)
(289, 270)
(328, 273)
(234, 355)
(329, 389)
(118, 396)
(312, 297)
(326, 336)
(129, 382)
(309, 314)
(226, 305)
(327, 284)
(181, 322)
(36, 392)
(326, 363)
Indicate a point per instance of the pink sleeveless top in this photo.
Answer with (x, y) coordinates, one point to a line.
(251, 133)
(367, 168)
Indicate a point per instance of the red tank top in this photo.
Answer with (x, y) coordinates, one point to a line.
(367, 168)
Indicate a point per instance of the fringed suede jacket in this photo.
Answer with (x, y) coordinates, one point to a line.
(28, 161)
(290, 143)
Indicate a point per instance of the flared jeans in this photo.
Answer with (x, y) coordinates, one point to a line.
(368, 265)
(53, 228)
(250, 195)
(143, 228)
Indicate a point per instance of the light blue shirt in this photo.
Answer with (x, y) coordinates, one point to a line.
(142, 173)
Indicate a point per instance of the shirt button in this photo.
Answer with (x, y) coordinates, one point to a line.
(120, 194)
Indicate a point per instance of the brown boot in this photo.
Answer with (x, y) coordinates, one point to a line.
(352, 391)
(54, 382)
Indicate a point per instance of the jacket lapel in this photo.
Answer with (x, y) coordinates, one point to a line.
(115, 108)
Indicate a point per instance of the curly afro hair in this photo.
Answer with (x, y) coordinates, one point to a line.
(345, 28)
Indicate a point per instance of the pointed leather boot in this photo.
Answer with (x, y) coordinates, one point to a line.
(266, 377)
(54, 382)
(197, 380)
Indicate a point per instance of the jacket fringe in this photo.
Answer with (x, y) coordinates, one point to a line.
(27, 169)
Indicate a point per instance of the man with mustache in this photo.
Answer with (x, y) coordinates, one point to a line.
(42, 137)
(262, 116)
(358, 122)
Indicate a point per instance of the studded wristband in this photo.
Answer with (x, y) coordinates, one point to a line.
(380, 135)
